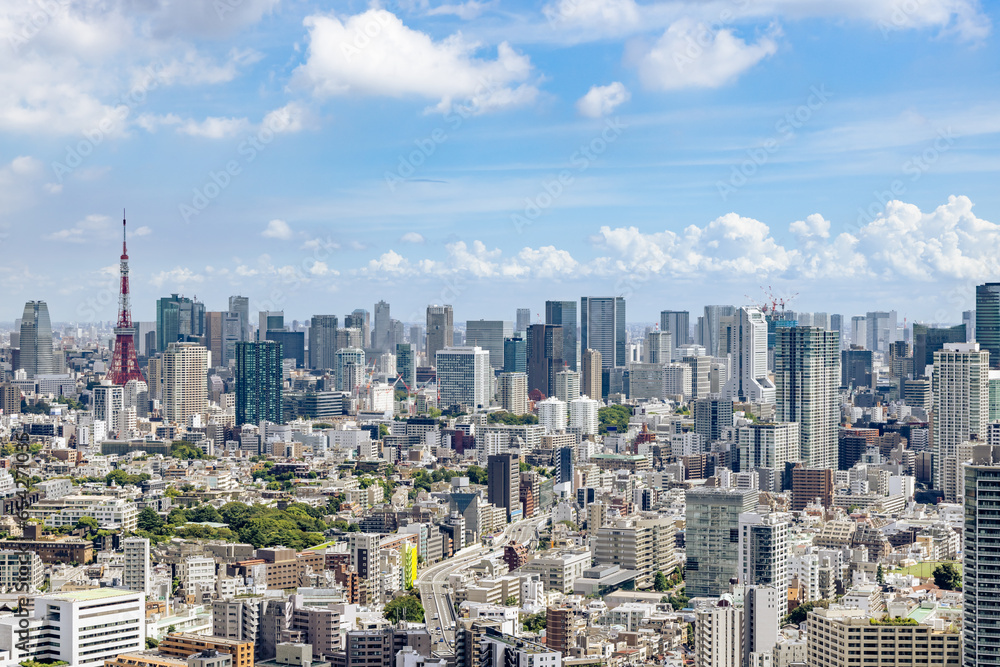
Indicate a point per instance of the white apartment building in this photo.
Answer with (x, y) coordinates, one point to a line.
(464, 377)
(559, 570)
(110, 512)
(583, 415)
(82, 628)
(552, 414)
(185, 385)
(513, 392)
(138, 576)
(18, 568)
(961, 391)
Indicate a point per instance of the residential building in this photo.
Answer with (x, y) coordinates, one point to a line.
(501, 650)
(768, 445)
(349, 364)
(748, 380)
(718, 635)
(583, 414)
(980, 577)
(807, 379)
(259, 380)
(406, 363)
(560, 569)
(138, 572)
(513, 392)
(591, 379)
(645, 545)
(961, 391)
(184, 384)
(184, 645)
(713, 556)
(764, 550)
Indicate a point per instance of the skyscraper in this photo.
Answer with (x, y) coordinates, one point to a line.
(36, 340)
(178, 318)
(322, 341)
(222, 331)
(961, 391)
(440, 330)
(489, 335)
(545, 357)
(678, 323)
(602, 328)
(269, 320)
(513, 391)
(258, 382)
(515, 354)
(184, 383)
(712, 522)
(406, 363)
(382, 327)
(880, 330)
(359, 319)
(591, 381)
(464, 377)
(766, 448)
(241, 306)
(748, 380)
(563, 314)
(764, 550)
(659, 347)
(988, 320)
(523, 320)
(807, 379)
(710, 328)
(927, 340)
(348, 364)
(981, 552)
(503, 482)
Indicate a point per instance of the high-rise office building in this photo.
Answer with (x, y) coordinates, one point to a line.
(515, 354)
(645, 545)
(859, 331)
(513, 391)
(322, 341)
(748, 380)
(678, 324)
(406, 363)
(659, 347)
(178, 318)
(713, 416)
(360, 319)
(602, 328)
(545, 357)
(969, 322)
(503, 482)
(927, 340)
(348, 338)
(109, 404)
(293, 345)
(222, 331)
(138, 572)
(564, 464)
(349, 362)
(382, 327)
(988, 320)
(563, 314)
(440, 330)
(807, 379)
(259, 381)
(241, 306)
(711, 327)
(464, 377)
(857, 368)
(184, 381)
(523, 319)
(713, 556)
(567, 386)
(269, 320)
(489, 335)
(36, 353)
(981, 552)
(591, 380)
(880, 330)
(961, 391)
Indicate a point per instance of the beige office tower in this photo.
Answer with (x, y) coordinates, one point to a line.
(591, 386)
(185, 392)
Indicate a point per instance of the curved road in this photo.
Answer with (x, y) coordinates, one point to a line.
(439, 610)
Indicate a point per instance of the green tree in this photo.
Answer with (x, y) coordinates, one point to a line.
(660, 582)
(799, 613)
(205, 513)
(151, 643)
(880, 575)
(150, 520)
(534, 622)
(88, 522)
(476, 475)
(383, 430)
(407, 608)
(948, 577)
(511, 601)
(614, 415)
(172, 628)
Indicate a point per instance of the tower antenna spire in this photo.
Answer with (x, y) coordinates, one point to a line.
(124, 363)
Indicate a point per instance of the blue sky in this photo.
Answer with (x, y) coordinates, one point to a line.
(320, 157)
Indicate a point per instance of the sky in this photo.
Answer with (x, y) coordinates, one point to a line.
(319, 157)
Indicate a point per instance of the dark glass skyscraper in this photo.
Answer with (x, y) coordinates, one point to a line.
(178, 318)
(928, 340)
(322, 341)
(545, 357)
(406, 363)
(258, 382)
(36, 340)
(602, 328)
(563, 314)
(988, 320)
(515, 355)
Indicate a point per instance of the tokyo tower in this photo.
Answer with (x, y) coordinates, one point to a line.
(124, 365)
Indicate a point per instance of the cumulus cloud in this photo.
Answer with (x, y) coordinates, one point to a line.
(412, 237)
(607, 15)
(463, 10)
(215, 128)
(278, 229)
(814, 226)
(374, 53)
(602, 100)
(176, 277)
(694, 55)
(91, 228)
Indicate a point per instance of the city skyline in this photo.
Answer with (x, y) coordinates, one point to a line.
(696, 150)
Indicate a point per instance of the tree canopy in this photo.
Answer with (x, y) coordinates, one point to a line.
(407, 608)
(948, 577)
(614, 415)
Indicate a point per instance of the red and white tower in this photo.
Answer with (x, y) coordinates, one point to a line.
(124, 364)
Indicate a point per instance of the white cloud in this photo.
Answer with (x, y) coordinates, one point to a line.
(278, 229)
(176, 277)
(814, 225)
(611, 16)
(693, 55)
(602, 100)
(53, 188)
(374, 53)
(93, 227)
(463, 10)
(215, 128)
(141, 231)
(412, 237)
